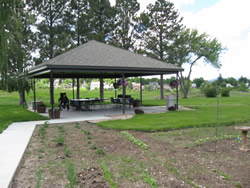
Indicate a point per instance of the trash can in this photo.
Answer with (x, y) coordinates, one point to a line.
(170, 101)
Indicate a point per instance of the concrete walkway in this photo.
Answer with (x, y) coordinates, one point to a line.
(14, 140)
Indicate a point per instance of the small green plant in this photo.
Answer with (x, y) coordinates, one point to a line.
(214, 138)
(46, 124)
(71, 176)
(89, 137)
(86, 132)
(108, 176)
(89, 142)
(66, 151)
(77, 126)
(60, 140)
(42, 132)
(39, 178)
(237, 184)
(61, 129)
(100, 151)
(134, 140)
(227, 177)
(41, 150)
(93, 146)
(150, 181)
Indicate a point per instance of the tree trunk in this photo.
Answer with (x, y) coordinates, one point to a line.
(183, 88)
(101, 89)
(161, 87)
(22, 100)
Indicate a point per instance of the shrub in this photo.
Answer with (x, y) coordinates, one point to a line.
(210, 92)
(225, 92)
(242, 87)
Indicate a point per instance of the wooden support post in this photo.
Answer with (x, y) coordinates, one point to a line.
(161, 87)
(78, 88)
(52, 94)
(115, 90)
(177, 92)
(34, 95)
(123, 94)
(101, 89)
(141, 90)
(73, 87)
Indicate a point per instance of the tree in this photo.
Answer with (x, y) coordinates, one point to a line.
(125, 24)
(76, 17)
(54, 34)
(243, 80)
(100, 20)
(232, 81)
(220, 80)
(158, 28)
(17, 46)
(198, 81)
(189, 48)
(7, 15)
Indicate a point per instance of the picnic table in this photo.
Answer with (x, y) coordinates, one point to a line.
(86, 103)
(244, 137)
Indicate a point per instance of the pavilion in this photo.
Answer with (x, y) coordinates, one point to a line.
(98, 60)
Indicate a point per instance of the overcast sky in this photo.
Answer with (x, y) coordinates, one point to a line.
(229, 22)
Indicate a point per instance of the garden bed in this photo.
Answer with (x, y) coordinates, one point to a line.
(85, 155)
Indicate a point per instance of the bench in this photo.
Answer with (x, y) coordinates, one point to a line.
(127, 100)
(244, 137)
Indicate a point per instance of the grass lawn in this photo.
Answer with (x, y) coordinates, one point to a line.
(11, 112)
(231, 110)
(16, 113)
(202, 116)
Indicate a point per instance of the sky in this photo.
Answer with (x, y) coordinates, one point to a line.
(226, 20)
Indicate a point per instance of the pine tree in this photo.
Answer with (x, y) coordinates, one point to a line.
(76, 17)
(54, 34)
(125, 23)
(157, 29)
(17, 48)
(101, 20)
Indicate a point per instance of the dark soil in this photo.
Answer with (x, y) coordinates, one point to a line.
(105, 158)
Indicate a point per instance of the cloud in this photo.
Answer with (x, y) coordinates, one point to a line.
(227, 20)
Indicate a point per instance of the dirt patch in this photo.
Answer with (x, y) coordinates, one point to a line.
(106, 158)
(91, 177)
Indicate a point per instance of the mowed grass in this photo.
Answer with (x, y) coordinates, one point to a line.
(234, 109)
(199, 117)
(16, 113)
(11, 112)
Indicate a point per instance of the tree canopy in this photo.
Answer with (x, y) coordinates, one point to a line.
(189, 48)
(43, 29)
